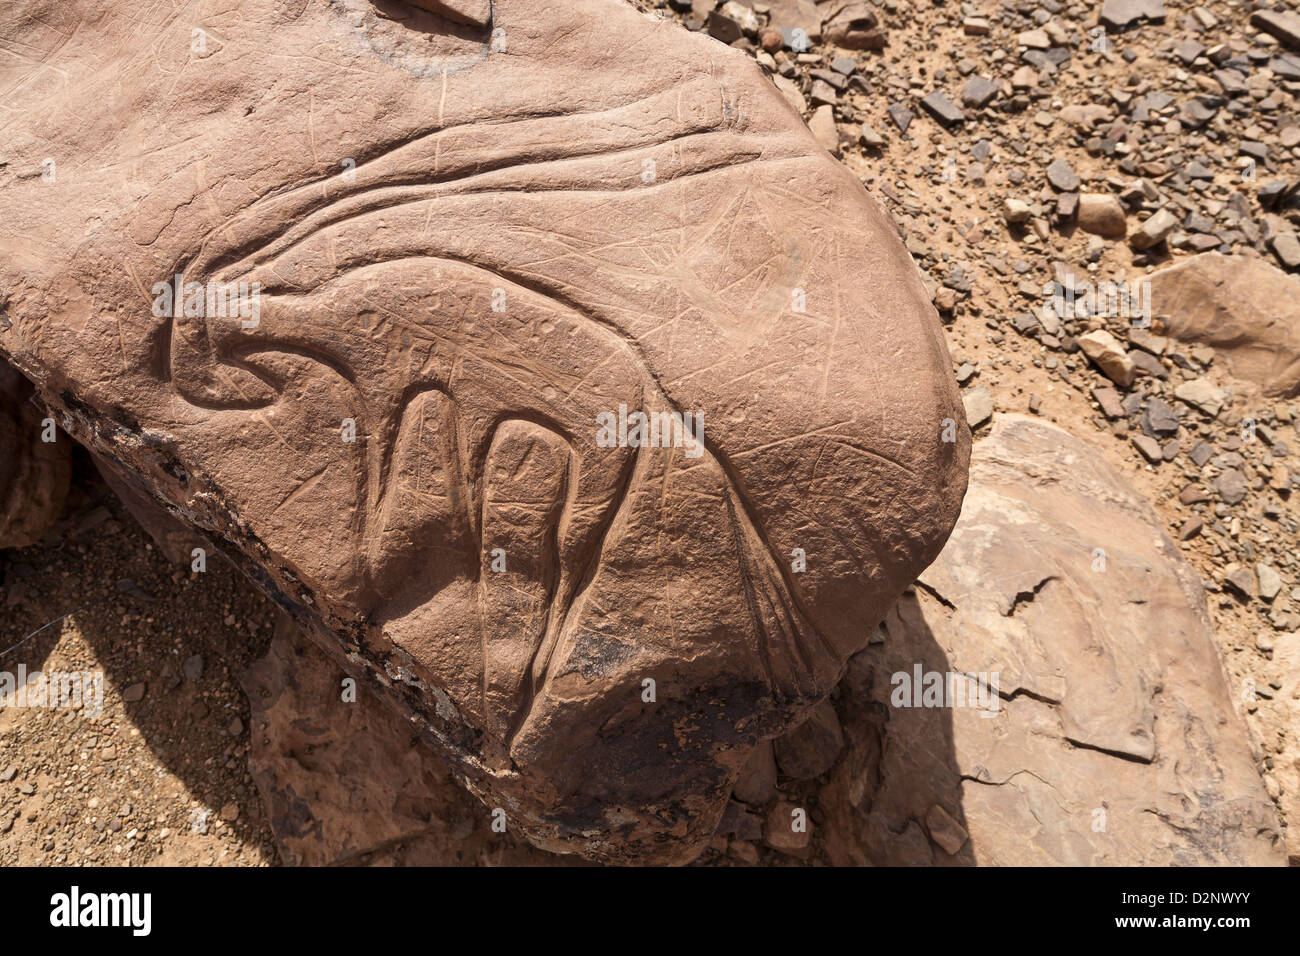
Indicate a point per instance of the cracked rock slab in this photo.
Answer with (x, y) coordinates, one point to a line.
(1112, 737)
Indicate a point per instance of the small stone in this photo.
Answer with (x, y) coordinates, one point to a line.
(1270, 582)
(1109, 401)
(1191, 528)
(757, 782)
(823, 94)
(943, 109)
(1149, 447)
(1062, 176)
(787, 828)
(1102, 215)
(823, 128)
(975, 26)
(1122, 13)
(979, 405)
(1200, 394)
(1286, 247)
(1034, 39)
(1109, 355)
(869, 138)
(1239, 580)
(1231, 486)
(134, 693)
(738, 822)
(1154, 231)
(723, 28)
(978, 92)
(1284, 25)
(1159, 418)
(1016, 211)
(901, 116)
(9, 773)
(770, 39)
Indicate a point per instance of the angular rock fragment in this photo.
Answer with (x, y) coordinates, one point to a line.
(1154, 230)
(509, 367)
(1109, 355)
(943, 109)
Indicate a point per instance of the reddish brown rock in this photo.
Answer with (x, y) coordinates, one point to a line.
(34, 473)
(346, 780)
(1088, 719)
(462, 250)
(1246, 308)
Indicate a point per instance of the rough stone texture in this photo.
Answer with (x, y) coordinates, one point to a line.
(347, 782)
(1286, 700)
(660, 232)
(1246, 308)
(34, 473)
(1112, 693)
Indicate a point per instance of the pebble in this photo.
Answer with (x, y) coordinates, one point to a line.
(1102, 215)
(1062, 176)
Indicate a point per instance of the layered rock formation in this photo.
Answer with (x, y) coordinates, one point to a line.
(373, 294)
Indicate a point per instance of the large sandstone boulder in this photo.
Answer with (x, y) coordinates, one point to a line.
(432, 266)
(34, 472)
(1096, 726)
(1244, 307)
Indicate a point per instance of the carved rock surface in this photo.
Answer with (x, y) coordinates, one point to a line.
(1244, 307)
(34, 474)
(1113, 740)
(458, 248)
